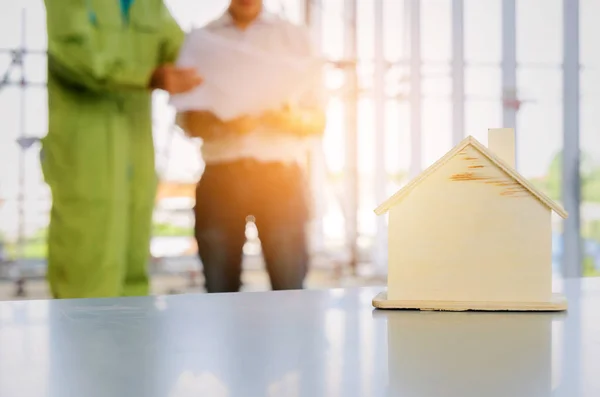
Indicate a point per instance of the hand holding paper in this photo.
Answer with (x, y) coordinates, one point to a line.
(241, 80)
(175, 80)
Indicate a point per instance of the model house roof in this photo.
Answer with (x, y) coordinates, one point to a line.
(470, 141)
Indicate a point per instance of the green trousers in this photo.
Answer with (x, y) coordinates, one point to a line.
(101, 173)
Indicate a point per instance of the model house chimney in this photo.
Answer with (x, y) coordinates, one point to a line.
(501, 142)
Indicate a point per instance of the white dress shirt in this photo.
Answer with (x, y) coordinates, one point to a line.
(271, 34)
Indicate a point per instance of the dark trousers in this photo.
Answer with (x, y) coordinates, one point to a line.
(274, 193)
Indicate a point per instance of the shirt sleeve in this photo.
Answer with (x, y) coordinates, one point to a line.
(173, 37)
(75, 57)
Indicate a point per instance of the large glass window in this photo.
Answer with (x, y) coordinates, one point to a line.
(24, 199)
(436, 50)
(397, 111)
(590, 135)
(539, 87)
(483, 54)
(539, 117)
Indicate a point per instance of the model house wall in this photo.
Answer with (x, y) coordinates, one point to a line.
(469, 232)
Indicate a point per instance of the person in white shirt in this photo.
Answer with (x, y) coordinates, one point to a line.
(254, 164)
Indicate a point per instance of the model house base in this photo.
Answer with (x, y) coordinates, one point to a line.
(557, 303)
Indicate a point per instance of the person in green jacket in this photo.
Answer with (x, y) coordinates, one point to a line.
(104, 59)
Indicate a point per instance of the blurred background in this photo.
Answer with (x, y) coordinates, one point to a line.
(407, 79)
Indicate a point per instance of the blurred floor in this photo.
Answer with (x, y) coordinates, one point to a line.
(253, 279)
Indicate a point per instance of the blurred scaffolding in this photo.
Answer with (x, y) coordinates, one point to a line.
(407, 80)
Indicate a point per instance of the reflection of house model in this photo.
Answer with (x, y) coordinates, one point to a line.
(423, 349)
(470, 232)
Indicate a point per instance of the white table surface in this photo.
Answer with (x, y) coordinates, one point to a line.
(298, 343)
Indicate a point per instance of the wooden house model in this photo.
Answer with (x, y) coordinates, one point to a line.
(471, 233)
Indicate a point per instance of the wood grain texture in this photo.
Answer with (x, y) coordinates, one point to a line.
(477, 167)
(557, 302)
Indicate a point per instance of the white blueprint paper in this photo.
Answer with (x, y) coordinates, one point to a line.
(239, 79)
